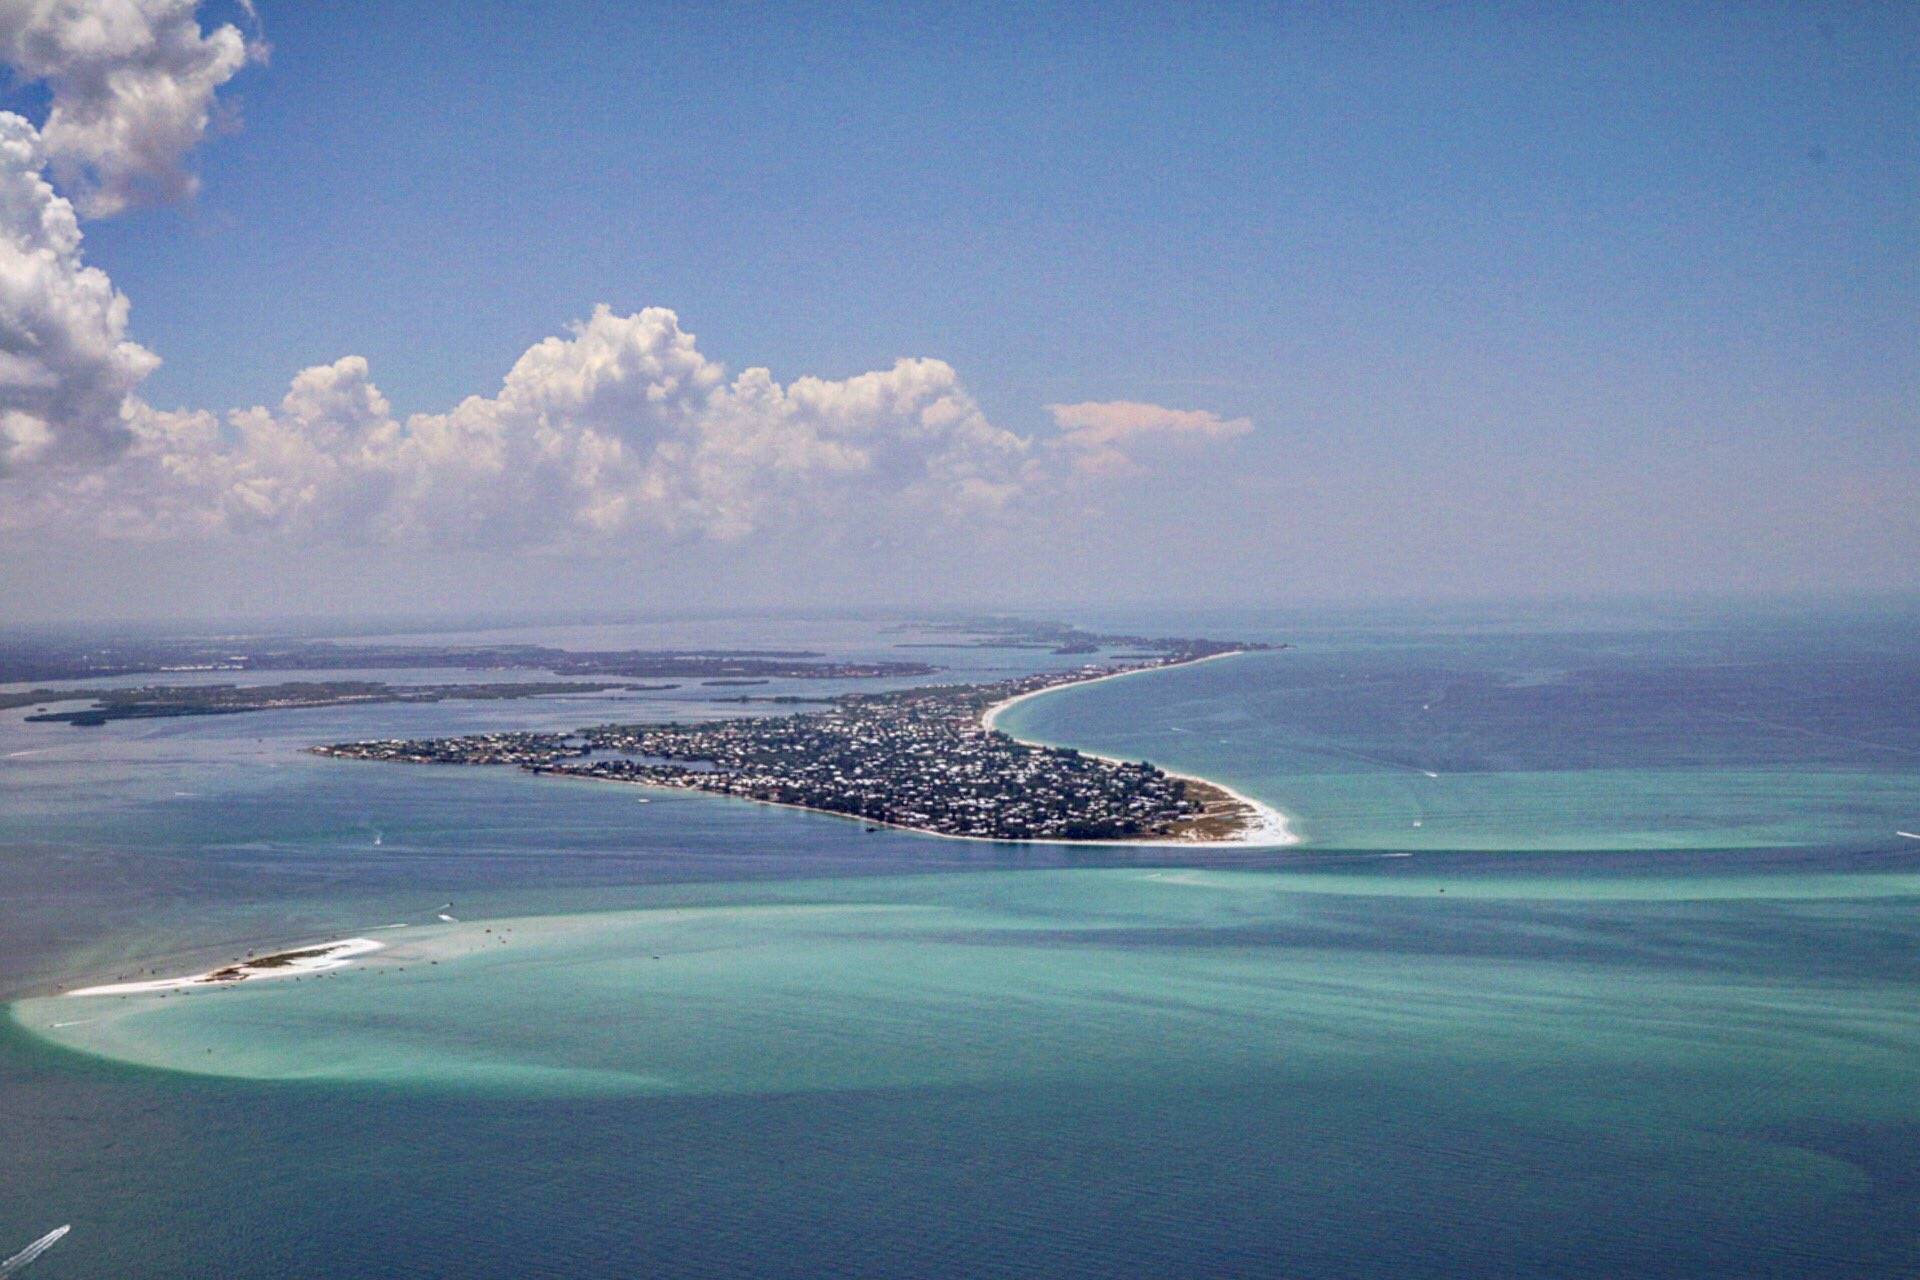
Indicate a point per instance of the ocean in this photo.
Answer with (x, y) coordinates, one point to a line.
(1599, 958)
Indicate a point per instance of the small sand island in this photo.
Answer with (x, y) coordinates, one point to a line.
(279, 964)
(926, 759)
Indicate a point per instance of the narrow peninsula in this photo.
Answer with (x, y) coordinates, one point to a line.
(926, 759)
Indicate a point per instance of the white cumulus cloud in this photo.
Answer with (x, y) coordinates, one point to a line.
(67, 368)
(620, 429)
(132, 85)
(623, 427)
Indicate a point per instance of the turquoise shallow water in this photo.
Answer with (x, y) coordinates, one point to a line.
(1636, 998)
(1094, 976)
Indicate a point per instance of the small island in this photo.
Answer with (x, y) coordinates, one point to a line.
(926, 759)
(306, 961)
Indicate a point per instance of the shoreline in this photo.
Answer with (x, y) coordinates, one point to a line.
(290, 963)
(992, 713)
(1270, 828)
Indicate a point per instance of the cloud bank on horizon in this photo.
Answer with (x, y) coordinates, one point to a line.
(621, 425)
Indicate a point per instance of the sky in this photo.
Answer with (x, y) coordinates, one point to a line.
(359, 309)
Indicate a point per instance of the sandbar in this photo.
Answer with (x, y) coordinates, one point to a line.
(280, 964)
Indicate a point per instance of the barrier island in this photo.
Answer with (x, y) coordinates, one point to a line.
(927, 759)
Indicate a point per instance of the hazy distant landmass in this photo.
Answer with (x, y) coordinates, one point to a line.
(54, 659)
(150, 702)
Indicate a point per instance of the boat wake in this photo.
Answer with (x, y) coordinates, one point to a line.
(33, 1250)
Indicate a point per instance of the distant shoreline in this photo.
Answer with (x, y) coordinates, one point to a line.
(992, 713)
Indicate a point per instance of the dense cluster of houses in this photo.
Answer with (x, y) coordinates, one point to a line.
(920, 758)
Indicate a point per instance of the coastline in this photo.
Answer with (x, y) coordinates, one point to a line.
(1225, 818)
(992, 713)
(1270, 828)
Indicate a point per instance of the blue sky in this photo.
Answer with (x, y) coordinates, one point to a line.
(1514, 298)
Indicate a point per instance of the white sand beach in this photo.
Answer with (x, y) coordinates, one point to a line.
(1269, 827)
(293, 962)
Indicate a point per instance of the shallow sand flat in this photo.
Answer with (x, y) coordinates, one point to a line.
(1038, 976)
